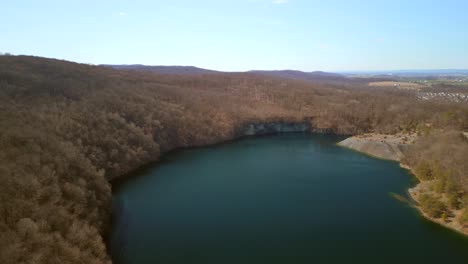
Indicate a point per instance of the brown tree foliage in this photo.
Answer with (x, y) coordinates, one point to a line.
(67, 129)
(441, 156)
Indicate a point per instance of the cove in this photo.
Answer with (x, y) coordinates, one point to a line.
(290, 198)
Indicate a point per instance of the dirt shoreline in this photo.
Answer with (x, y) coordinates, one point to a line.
(391, 147)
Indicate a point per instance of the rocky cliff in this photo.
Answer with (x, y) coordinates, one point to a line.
(273, 128)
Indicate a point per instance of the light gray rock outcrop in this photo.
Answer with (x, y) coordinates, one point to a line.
(380, 149)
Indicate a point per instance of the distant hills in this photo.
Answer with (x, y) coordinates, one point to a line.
(411, 73)
(191, 70)
(181, 70)
(315, 76)
(300, 75)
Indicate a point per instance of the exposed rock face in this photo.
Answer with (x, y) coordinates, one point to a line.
(381, 146)
(273, 128)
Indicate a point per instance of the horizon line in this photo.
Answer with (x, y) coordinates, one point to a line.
(414, 70)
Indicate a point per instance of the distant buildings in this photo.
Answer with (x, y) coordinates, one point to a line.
(453, 97)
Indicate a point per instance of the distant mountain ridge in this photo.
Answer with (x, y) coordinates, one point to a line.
(300, 75)
(191, 70)
(182, 70)
(433, 72)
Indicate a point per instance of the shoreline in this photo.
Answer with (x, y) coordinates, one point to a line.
(253, 128)
(452, 224)
(249, 129)
(386, 147)
(118, 181)
(123, 179)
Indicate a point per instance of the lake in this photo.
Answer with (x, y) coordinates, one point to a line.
(291, 198)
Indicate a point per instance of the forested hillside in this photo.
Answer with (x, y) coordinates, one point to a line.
(179, 70)
(67, 129)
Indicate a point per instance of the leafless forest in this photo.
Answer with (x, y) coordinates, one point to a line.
(67, 130)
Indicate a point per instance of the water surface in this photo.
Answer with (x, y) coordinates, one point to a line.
(291, 198)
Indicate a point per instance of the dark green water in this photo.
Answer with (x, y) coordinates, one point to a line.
(280, 199)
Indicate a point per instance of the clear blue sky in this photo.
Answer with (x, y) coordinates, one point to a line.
(233, 35)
